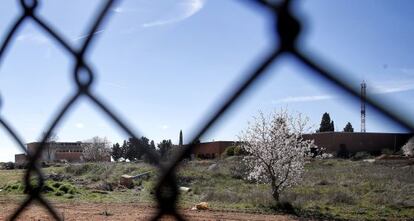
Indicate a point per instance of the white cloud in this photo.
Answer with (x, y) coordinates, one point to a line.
(165, 127)
(79, 125)
(379, 88)
(187, 8)
(118, 10)
(34, 38)
(297, 99)
(393, 87)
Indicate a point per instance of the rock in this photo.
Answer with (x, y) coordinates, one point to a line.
(202, 206)
(184, 189)
(126, 181)
(213, 167)
(369, 160)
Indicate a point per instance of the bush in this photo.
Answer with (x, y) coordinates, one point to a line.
(229, 151)
(9, 166)
(239, 170)
(238, 151)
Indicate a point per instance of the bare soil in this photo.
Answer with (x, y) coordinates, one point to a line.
(123, 211)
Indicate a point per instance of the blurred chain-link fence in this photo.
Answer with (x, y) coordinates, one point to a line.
(287, 29)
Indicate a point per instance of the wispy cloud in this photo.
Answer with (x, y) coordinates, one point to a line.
(34, 38)
(382, 88)
(118, 10)
(187, 8)
(165, 127)
(297, 99)
(393, 87)
(85, 36)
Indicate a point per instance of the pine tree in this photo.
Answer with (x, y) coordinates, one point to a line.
(348, 127)
(326, 124)
(116, 152)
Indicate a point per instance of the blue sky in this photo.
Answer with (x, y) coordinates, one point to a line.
(164, 64)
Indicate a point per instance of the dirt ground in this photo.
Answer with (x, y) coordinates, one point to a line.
(118, 211)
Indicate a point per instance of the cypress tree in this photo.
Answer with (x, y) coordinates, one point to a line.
(326, 123)
(180, 144)
(348, 127)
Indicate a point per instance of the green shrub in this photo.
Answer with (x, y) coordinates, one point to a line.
(56, 185)
(68, 196)
(16, 187)
(47, 188)
(229, 151)
(238, 151)
(59, 193)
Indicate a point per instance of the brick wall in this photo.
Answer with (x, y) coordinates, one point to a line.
(20, 159)
(211, 149)
(355, 142)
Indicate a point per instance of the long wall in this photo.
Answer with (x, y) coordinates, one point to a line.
(211, 149)
(355, 142)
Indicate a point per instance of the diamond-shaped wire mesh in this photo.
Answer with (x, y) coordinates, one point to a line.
(287, 29)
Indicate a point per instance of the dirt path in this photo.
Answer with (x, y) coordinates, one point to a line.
(122, 211)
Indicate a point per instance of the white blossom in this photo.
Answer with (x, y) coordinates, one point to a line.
(276, 149)
(408, 148)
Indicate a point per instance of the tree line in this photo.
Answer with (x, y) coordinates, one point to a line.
(133, 149)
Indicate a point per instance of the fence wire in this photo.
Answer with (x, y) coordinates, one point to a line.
(287, 29)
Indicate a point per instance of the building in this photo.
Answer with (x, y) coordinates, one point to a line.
(332, 142)
(57, 152)
(210, 150)
(354, 142)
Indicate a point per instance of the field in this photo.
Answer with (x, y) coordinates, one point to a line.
(332, 189)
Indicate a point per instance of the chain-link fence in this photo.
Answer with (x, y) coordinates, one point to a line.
(287, 29)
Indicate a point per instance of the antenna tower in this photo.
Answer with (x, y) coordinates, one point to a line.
(363, 112)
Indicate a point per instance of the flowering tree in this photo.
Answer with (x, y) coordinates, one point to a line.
(408, 148)
(96, 149)
(275, 149)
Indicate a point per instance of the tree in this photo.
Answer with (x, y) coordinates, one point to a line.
(52, 138)
(326, 124)
(408, 148)
(164, 147)
(96, 149)
(116, 152)
(124, 150)
(275, 149)
(136, 148)
(348, 127)
(180, 143)
(152, 145)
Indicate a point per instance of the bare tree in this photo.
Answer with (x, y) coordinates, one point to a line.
(276, 151)
(96, 149)
(52, 138)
